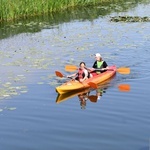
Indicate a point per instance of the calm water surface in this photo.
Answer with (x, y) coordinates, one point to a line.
(30, 118)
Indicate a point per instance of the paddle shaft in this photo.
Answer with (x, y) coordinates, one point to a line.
(121, 70)
(59, 74)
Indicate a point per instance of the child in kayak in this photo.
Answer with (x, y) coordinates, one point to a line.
(98, 64)
(82, 73)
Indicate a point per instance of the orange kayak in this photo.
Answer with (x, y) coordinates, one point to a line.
(68, 95)
(74, 85)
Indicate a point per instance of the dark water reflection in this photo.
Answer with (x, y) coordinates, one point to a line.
(30, 118)
(36, 24)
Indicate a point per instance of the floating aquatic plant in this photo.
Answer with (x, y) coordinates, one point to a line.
(12, 87)
(130, 19)
(11, 108)
(8, 108)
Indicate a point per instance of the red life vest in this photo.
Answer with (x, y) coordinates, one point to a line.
(80, 74)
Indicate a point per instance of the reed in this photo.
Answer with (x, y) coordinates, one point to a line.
(15, 9)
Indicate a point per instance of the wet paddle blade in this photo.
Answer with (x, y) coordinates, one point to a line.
(124, 87)
(59, 74)
(123, 70)
(93, 85)
(92, 98)
(71, 68)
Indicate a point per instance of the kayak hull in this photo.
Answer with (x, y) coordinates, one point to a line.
(74, 85)
(68, 95)
(65, 96)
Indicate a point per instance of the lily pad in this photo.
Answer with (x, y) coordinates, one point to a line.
(12, 108)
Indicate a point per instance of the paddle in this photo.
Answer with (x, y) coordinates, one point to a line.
(121, 70)
(93, 85)
(93, 98)
(59, 74)
(124, 87)
(121, 87)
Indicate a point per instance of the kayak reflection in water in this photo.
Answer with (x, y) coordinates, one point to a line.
(93, 98)
(99, 92)
(83, 98)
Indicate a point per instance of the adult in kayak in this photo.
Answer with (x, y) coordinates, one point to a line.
(98, 64)
(82, 73)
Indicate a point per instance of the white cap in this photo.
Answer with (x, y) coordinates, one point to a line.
(98, 55)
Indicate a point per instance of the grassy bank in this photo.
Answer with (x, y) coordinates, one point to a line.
(15, 9)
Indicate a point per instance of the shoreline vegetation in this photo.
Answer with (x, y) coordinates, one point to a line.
(30, 24)
(16, 9)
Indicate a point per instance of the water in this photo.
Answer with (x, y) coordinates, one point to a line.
(30, 118)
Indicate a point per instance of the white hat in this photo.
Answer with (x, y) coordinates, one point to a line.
(98, 55)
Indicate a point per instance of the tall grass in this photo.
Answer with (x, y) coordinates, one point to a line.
(15, 9)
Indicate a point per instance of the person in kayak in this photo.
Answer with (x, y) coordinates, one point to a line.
(82, 73)
(98, 64)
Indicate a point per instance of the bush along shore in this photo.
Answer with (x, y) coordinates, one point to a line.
(16, 9)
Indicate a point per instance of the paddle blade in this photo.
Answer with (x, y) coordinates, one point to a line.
(92, 98)
(93, 85)
(124, 87)
(123, 70)
(59, 74)
(71, 68)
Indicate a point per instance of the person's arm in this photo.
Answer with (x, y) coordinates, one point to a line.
(72, 75)
(105, 66)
